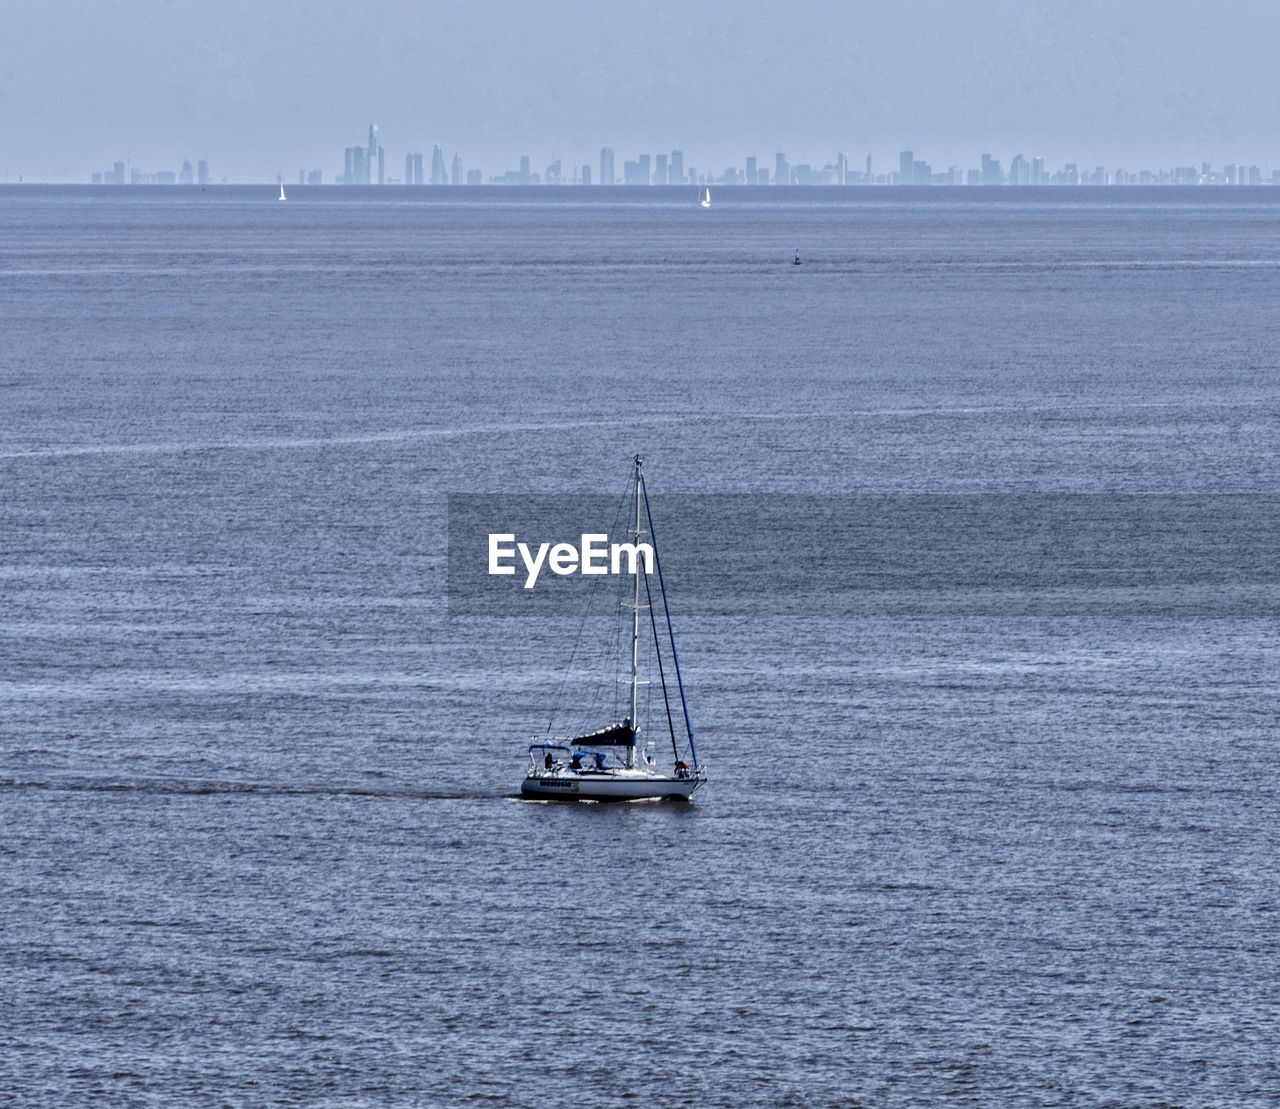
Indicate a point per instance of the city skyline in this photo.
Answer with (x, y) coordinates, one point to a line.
(368, 163)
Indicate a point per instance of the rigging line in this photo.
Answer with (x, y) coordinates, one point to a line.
(582, 623)
(621, 636)
(653, 623)
(608, 672)
(586, 613)
(588, 711)
(648, 695)
(671, 632)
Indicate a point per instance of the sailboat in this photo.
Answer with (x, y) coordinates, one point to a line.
(610, 764)
(704, 198)
(282, 196)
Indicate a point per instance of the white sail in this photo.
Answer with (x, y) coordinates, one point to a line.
(282, 196)
(704, 201)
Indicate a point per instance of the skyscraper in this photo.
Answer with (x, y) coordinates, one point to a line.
(660, 169)
(372, 157)
(438, 175)
(842, 169)
(202, 171)
(408, 169)
(675, 175)
(781, 170)
(186, 177)
(642, 169)
(455, 171)
(586, 174)
(118, 173)
(906, 168)
(606, 166)
(753, 174)
(524, 169)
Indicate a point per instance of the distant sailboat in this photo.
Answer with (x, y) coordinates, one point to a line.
(704, 198)
(796, 261)
(282, 196)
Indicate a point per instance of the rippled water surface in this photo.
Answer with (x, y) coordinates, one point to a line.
(259, 838)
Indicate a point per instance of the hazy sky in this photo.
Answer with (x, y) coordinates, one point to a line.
(269, 86)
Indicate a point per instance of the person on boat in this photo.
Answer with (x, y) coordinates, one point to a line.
(682, 768)
(547, 760)
(599, 760)
(575, 763)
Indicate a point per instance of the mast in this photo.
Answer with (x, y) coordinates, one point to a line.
(635, 626)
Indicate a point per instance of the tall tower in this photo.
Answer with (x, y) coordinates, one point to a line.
(372, 156)
(438, 175)
(606, 166)
(455, 171)
(675, 175)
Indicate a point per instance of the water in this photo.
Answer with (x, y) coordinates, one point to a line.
(260, 843)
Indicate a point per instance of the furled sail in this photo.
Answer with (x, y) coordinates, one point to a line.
(616, 735)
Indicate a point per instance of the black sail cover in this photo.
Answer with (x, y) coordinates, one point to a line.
(617, 735)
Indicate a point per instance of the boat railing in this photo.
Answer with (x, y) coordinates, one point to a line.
(538, 754)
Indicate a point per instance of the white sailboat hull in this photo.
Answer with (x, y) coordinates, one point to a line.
(618, 785)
